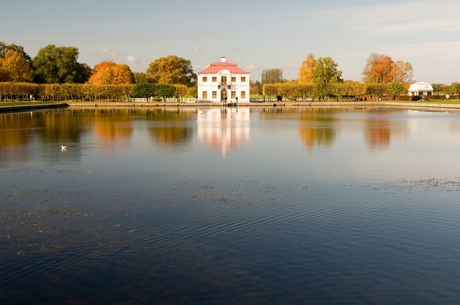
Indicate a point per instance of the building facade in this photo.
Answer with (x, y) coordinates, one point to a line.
(420, 88)
(223, 82)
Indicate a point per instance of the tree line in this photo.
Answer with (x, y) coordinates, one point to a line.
(174, 76)
(320, 78)
(59, 65)
(91, 92)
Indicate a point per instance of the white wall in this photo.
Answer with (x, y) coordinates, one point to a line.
(210, 86)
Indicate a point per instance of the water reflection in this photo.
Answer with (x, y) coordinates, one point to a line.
(380, 128)
(112, 126)
(169, 128)
(223, 129)
(317, 127)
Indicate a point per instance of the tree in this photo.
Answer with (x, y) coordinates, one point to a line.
(367, 71)
(272, 76)
(14, 67)
(306, 69)
(269, 90)
(4, 48)
(109, 73)
(140, 78)
(396, 88)
(164, 90)
(59, 65)
(325, 75)
(171, 70)
(382, 70)
(454, 88)
(402, 72)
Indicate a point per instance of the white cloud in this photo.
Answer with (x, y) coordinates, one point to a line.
(441, 50)
(211, 32)
(252, 67)
(397, 19)
(106, 51)
(197, 49)
(131, 59)
(26, 32)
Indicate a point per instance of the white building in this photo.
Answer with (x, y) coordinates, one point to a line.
(420, 88)
(223, 82)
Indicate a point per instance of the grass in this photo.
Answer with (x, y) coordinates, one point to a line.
(26, 103)
(448, 102)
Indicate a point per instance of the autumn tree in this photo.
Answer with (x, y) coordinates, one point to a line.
(59, 65)
(402, 72)
(5, 48)
(269, 90)
(325, 75)
(381, 69)
(272, 76)
(171, 70)
(14, 67)
(306, 69)
(109, 73)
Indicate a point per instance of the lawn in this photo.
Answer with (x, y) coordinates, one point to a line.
(13, 104)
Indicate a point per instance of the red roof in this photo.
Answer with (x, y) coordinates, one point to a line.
(219, 66)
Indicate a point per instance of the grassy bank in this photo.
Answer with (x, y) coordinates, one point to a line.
(35, 103)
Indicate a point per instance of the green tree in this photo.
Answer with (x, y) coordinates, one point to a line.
(140, 78)
(171, 70)
(272, 76)
(325, 75)
(396, 88)
(164, 90)
(454, 88)
(59, 65)
(144, 90)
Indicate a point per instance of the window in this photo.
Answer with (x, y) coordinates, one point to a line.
(233, 94)
(214, 94)
(233, 79)
(243, 79)
(214, 79)
(205, 94)
(205, 79)
(243, 94)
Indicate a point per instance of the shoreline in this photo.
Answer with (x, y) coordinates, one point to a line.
(102, 104)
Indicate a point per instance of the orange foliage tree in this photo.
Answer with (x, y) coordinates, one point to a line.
(14, 67)
(382, 70)
(306, 69)
(109, 73)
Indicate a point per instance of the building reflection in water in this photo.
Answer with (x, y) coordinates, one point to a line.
(224, 129)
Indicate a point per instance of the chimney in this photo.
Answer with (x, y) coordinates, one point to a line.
(223, 59)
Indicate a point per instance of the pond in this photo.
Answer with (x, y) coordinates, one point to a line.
(230, 206)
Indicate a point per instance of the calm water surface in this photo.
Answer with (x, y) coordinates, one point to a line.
(234, 206)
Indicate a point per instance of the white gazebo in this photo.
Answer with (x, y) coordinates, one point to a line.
(420, 88)
(223, 82)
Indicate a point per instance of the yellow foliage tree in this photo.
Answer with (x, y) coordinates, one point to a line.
(171, 70)
(109, 73)
(14, 67)
(306, 69)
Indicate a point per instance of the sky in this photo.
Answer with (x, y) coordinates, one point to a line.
(256, 35)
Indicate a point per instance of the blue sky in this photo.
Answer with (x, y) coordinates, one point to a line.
(257, 35)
